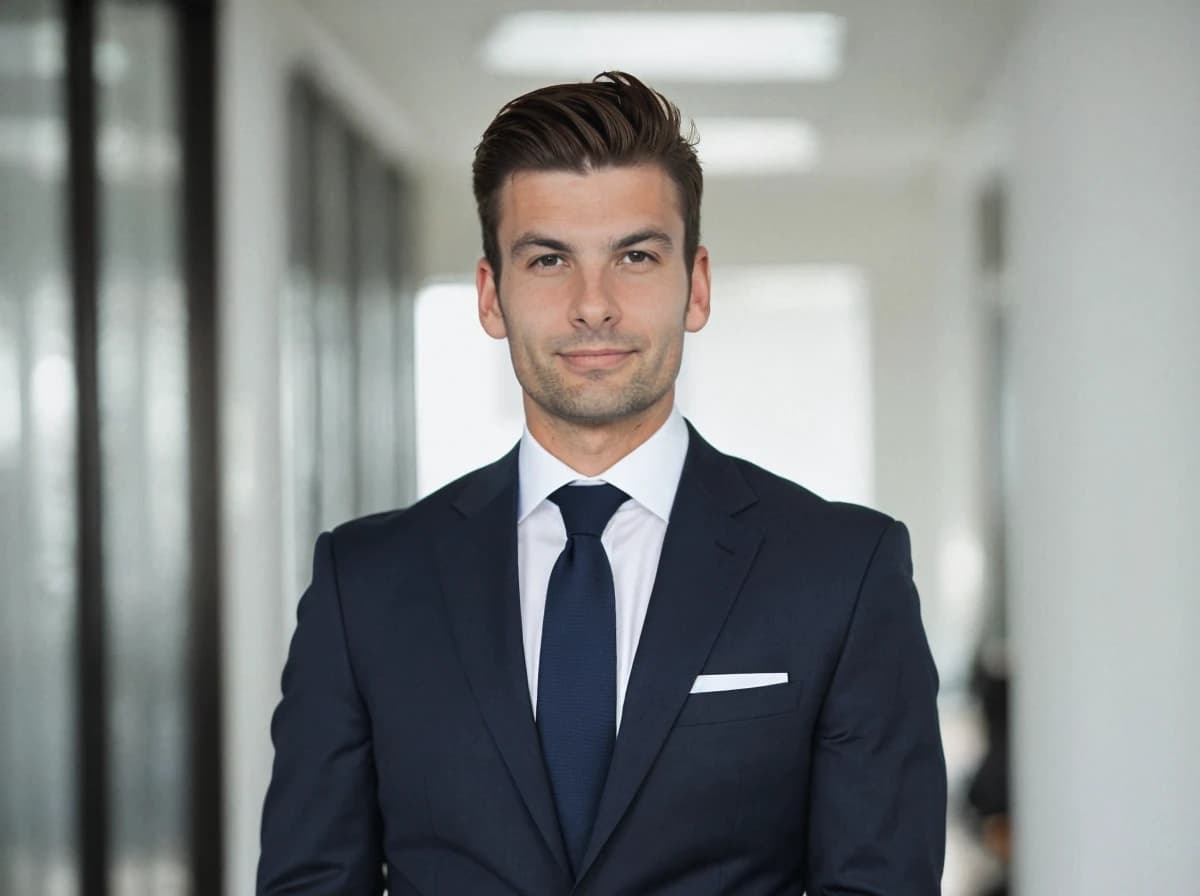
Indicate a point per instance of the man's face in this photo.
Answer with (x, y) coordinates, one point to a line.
(595, 296)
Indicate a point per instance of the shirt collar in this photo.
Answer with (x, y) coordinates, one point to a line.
(649, 474)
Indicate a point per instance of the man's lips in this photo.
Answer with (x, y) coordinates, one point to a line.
(595, 358)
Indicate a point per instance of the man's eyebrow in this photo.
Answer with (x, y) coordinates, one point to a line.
(649, 235)
(537, 241)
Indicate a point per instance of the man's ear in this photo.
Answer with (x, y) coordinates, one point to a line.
(698, 307)
(490, 315)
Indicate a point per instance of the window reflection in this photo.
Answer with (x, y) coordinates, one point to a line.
(38, 848)
(143, 420)
(348, 332)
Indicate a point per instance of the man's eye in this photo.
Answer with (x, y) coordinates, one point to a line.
(636, 256)
(547, 261)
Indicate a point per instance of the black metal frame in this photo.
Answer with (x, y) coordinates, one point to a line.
(196, 46)
(83, 241)
(196, 30)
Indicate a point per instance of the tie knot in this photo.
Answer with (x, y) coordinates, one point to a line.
(586, 509)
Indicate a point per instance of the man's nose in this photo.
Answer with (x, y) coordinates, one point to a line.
(594, 304)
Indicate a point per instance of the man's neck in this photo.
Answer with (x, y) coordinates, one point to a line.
(590, 450)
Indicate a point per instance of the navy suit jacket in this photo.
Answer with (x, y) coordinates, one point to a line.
(405, 743)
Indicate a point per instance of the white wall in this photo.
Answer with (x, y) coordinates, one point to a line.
(1106, 575)
(781, 374)
(1092, 122)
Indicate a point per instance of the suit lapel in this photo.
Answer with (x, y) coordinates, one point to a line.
(705, 558)
(477, 563)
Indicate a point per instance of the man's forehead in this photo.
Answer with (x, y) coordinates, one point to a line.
(572, 198)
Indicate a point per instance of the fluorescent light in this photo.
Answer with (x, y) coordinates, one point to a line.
(715, 47)
(756, 145)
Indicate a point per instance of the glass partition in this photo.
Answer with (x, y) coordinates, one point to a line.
(348, 380)
(143, 395)
(107, 613)
(38, 457)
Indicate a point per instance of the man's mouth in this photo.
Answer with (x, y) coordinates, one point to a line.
(595, 358)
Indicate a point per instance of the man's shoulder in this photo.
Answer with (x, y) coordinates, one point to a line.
(783, 504)
(426, 517)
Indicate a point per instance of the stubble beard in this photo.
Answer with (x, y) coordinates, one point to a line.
(584, 406)
(547, 388)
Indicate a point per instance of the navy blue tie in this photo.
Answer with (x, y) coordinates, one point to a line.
(577, 671)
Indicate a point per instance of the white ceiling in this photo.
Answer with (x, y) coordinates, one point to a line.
(913, 70)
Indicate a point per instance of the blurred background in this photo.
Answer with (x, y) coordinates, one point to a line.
(956, 254)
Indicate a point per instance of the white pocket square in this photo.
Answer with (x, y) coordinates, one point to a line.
(706, 684)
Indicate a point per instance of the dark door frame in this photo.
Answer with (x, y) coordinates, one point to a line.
(195, 50)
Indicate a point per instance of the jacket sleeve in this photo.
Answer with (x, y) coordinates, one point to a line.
(877, 811)
(320, 825)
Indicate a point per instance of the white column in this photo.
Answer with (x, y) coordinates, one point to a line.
(253, 233)
(1105, 617)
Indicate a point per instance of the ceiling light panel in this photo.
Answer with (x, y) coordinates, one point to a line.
(739, 146)
(707, 47)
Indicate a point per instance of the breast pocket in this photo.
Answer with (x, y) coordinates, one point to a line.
(743, 703)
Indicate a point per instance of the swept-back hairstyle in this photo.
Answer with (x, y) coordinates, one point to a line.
(613, 120)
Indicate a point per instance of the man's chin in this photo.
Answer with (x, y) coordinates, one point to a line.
(598, 411)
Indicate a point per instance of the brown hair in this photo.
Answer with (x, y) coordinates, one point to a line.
(613, 120)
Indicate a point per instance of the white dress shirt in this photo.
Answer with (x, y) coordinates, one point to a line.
(633, 538)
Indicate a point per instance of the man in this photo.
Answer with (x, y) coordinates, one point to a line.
(615, 661)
